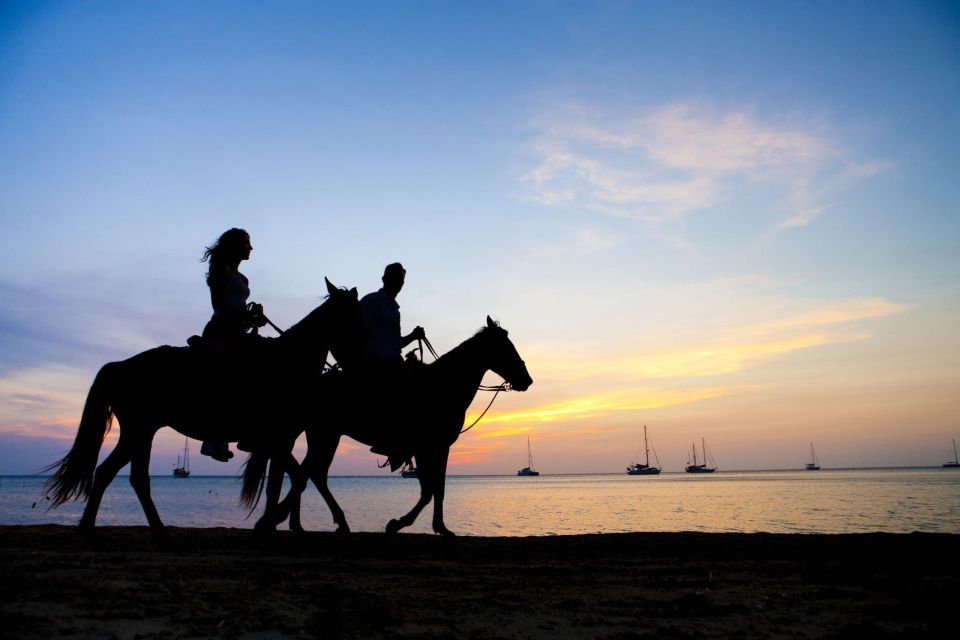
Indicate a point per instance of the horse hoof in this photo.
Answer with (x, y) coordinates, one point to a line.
(393, 526)
(445, 533)
(297, 530)
(343, 530)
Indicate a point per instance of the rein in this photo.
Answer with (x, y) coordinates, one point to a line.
(252, 307)
(497, 389)
(269, 322)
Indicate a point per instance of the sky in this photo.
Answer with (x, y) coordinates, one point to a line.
(729, 221)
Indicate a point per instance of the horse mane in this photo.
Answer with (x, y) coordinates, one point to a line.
(469, 342)
(488, 328)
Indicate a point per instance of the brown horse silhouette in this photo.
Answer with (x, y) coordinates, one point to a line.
(443, 389)
(169, 386)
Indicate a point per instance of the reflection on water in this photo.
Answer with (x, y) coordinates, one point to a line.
(841, 501)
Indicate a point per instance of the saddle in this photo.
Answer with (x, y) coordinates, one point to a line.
(395, 438)
(223, 373)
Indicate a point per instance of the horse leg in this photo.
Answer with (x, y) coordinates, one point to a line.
(140, 480)
(289, 507)
(102, 477)
(439, 480)
(268, 522)
(425, 467)
(320, 453)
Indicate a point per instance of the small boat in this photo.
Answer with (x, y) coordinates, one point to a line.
(528, 470)
(409, 471)
(956, 462)
(814, 464)
(182, 470)
(695, 467)
(637, 469)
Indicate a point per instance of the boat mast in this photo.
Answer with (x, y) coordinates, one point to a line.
(703, 443)
(694, 446)
(529, 455)
(647, 447)
(955, 460)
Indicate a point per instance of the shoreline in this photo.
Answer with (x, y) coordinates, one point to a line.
(542, 474)
(229, 583)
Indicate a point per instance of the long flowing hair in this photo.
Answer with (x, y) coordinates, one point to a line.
(223, 252)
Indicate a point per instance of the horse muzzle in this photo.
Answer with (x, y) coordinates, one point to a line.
(522, 385)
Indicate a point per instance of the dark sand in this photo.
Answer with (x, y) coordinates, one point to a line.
(227, 583)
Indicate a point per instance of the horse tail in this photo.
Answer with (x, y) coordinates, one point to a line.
(73, 477)
(254, 477)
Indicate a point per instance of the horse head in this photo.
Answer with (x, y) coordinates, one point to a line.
(346, 325)
(334, 327)
(503, 357)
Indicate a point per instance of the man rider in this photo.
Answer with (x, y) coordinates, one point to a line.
(381, 324)
(384, 343)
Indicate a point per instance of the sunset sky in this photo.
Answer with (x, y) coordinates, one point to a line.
(733, 221)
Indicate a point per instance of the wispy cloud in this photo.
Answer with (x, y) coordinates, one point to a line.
(50, 396)
(660, 164)
(792, 327)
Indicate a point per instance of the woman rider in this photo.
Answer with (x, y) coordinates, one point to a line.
(232, 319)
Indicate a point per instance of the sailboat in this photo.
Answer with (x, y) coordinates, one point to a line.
(528, 470)
(182, 470)
(409, 471)
(956, 462)
(814, 464)
(699, 468)
(637, 469)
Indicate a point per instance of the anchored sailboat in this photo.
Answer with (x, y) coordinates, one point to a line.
(814, 464)
(637, 469)
(694, 467)
(956, 462)
(528, 470)
(182, 470)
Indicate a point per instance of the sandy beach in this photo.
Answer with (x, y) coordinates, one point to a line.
(228, 583)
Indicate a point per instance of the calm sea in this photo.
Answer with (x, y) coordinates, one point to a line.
(826, 501)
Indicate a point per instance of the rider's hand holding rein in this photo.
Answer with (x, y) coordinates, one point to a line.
(256, 318)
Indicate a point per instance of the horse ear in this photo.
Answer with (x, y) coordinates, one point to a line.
(330, 288)
(353, 292)
(490, 323)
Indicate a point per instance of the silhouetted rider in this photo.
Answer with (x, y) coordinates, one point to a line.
(384, 343)
(232, 317)
(381, 324)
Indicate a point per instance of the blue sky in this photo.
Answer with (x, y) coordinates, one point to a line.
(736, 221)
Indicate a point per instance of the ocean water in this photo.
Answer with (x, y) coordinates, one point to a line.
(826, 501)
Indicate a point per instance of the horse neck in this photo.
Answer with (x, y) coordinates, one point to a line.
(462, 368)
(309, 333)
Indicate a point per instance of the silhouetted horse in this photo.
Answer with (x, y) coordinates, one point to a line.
(179, 387)
(428, 422)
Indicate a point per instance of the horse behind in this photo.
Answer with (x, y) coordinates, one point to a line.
(169, 386)
(425, 426)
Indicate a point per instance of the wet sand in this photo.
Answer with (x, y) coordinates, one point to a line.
(228, 583)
